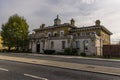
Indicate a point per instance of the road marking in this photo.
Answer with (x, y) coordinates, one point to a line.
(37, 77)
(3, 69)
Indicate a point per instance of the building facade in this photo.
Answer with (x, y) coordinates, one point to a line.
(89, 40)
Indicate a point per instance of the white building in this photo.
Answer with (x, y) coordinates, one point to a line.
(89, 40)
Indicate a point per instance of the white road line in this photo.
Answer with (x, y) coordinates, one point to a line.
(3, 69)
(36, 77)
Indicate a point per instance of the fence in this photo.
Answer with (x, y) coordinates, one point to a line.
(111, 50)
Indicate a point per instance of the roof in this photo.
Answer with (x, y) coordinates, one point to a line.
(91, 28)
(57, 26)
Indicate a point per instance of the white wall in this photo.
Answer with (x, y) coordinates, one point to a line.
(91, 46)
(34, 47)
(58, 45)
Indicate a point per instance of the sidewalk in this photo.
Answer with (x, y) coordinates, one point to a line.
(68, 65)
(77, 57)
(70, 57)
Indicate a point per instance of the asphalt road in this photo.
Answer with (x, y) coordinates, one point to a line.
(72, 60)
(22, 71)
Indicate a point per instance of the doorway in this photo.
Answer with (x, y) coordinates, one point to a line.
(38, 47)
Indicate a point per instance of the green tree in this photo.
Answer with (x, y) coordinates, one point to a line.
(15, 32)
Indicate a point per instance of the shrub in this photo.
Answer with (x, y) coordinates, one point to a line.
(49, 51)
(69, 51)
(83, 54)
(106, 56)
(74, 51)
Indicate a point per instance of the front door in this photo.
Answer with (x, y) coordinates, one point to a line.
(38, 48)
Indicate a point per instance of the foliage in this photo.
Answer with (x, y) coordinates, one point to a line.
(15, 32)
(83, 54)
(49, 51)
(69, 51)
(106, 56)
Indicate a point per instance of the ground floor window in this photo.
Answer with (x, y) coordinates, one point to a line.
(85, 43)
(52, 44)
(77, 44)
(63, 44)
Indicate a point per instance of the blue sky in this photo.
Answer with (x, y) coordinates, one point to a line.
(85, 12)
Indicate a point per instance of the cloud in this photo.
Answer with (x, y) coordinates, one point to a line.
(88, 1)
(85, 12)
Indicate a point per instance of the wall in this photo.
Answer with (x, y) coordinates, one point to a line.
(91, 46)
(58, 45)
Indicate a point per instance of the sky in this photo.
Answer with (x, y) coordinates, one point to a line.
(84, 12)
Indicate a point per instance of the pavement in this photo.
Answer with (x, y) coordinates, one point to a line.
(77, 57)
(67, 65)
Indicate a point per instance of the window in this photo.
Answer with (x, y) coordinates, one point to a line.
(75, 35)
(92, 34)
(85, 43)
(55, 34)
(52, 44)
(63, 44)
(61, 33)
(49, 34)
(83, 34)
(77, 44)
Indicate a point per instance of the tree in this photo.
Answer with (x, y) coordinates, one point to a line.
(15, 32)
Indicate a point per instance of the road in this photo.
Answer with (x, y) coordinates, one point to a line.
(10, 70)
(72, 60)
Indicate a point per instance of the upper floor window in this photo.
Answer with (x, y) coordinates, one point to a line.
(92, 34)
(55, 34)
(75, 35)
(83, 34)
(61, 33)
(49, 34)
